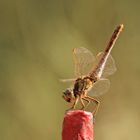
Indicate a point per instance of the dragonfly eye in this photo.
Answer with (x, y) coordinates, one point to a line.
(68, 95)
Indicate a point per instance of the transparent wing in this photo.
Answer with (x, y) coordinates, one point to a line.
(110, 67)
(100, 87)
(83, 61)
(67, 80)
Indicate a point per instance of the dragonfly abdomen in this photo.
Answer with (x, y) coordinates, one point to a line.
(97, 72)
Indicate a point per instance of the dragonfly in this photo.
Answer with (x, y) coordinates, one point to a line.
(91, 74)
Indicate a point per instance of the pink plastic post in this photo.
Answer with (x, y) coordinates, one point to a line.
(78, 125)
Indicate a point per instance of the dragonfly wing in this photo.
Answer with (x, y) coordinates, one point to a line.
(83, 61)
(110, 67)
(100, 87)
(67, 80)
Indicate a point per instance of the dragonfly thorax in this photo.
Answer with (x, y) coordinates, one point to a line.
(82, 85)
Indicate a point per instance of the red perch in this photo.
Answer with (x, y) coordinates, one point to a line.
(78, 125)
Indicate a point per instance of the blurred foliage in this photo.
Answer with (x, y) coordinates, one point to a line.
(36, 39)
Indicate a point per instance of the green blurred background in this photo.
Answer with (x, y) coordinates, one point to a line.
(36, 41)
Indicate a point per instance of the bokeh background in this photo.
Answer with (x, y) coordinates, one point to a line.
(36, 41)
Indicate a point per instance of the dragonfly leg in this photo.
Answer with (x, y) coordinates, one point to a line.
(82, 103)
(88, 102)
(75, 102)
(96, 101)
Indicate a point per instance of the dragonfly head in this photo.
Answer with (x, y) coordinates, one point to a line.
(68, 95)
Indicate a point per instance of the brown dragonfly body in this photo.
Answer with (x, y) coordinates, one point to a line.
(93, 80)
